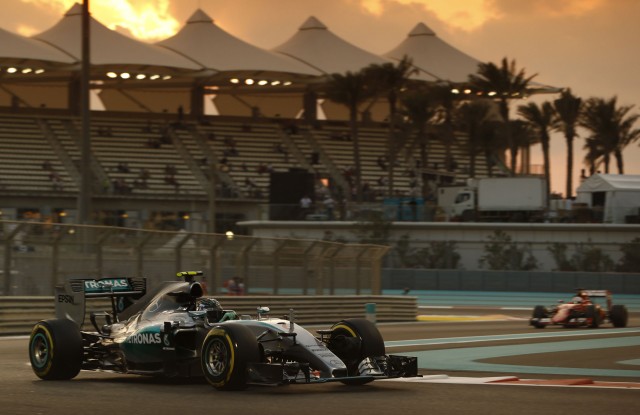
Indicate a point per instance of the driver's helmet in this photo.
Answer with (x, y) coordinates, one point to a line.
(576, 300)
(206, 304)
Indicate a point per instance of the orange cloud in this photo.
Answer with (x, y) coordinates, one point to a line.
(143, 19)
(466, 15)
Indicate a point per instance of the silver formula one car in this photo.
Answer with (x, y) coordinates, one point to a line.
(177, 331)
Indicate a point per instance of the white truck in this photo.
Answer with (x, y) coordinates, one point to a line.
(501, 199)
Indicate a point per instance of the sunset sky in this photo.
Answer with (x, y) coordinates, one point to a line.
(590, 46)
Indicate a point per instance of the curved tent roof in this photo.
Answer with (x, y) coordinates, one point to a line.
(319, 48)
(110, 48)
(607, 182)
(22, 50)
(434, 58)
(202, 41)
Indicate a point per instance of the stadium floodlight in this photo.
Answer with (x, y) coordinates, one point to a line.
(234, 80)
(455, 91)
(154, 77)
(166, 77)
(287, 83)
(249, 81)
(112, 75)
(492, 93)
(263, 82)
(141, 76)
(125, 75)
(27, 70)
(275, 83)
(39, 71)
(12, 70)
(467, 91)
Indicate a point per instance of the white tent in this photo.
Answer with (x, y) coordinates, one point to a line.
(30, 52)
(435, 59)
(319, 48)
(110, 48)
(202, 41)
(618, 195)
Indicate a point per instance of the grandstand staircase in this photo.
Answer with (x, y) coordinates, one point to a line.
(96, 168)
(207, 151)
(188, 158)
(333, 170)
(60, 151)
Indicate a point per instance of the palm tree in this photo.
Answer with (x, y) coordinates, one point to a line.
(611, 130)
(541, 120)
(567, 109)
(522, 136)
(351, 90)
(473, 117)
(390, 80)
(420, 108)
(506, 83)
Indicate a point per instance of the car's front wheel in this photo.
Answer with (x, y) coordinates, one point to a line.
(353, 340)
(593, 316)
(619, 315)
(227, 352)
(55, 349)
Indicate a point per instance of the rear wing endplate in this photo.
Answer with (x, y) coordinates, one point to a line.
(70, 297)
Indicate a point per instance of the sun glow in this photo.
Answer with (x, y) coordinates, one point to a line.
(144, 19)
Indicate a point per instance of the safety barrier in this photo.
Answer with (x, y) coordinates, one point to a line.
(18, 314)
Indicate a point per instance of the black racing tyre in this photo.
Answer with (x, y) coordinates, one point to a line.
(539, 311)
(226, 353)
(619, 315)
(55, 349)
(353, 340)
(592, 313)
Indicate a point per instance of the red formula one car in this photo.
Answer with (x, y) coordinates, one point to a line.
(588, 308)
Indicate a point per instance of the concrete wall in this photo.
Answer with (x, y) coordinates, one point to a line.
(517, 281)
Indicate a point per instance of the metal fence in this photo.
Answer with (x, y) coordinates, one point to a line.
(37, 256)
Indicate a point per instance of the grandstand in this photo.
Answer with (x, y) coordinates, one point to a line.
(157, 163)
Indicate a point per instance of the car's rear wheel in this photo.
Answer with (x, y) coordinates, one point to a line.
(55, 349)
(227, 352)
(619, 315)
(353, 340)
(539, 312)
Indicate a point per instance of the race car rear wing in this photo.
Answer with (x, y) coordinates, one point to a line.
(70, 297)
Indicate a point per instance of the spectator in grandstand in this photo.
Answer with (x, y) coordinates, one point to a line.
(46, 165)
(305, 206)
(56, 179)
(382, 162)
(262, 168)
(279, 148)
(315, 158)
(123, 167)
(170, 170)
(329, 205)
(153, 143)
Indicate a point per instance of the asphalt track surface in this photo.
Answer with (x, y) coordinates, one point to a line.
(473, 361)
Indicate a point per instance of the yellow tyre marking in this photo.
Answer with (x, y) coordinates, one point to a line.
(223, 333)
(47, 333)
(346, 328)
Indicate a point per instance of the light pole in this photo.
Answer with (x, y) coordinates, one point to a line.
(86, 180)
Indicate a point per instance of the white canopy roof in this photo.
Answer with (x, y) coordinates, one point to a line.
(20, 49)
(319, 48)
(109, 47)
(202, 41)
(607, 182)
(435, 59)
